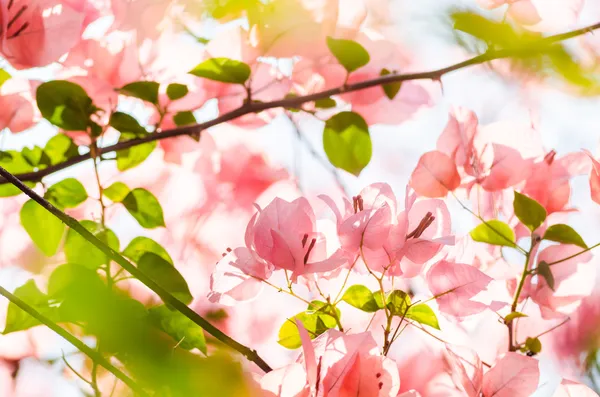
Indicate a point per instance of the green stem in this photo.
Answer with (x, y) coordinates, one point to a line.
(91, 353)
(166, 296)
(513, 308)
(335, 315)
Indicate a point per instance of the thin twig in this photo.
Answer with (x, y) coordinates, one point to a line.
(166, 296)
(91, 353)
(325, 164)
(533, 47)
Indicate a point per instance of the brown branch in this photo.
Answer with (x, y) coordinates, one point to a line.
(166, 296)
(533, 47)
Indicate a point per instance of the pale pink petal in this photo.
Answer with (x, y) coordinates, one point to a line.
(568, 388)
(457, 138)
(289, 381)
(524, 12)
(573, 279)
(455, 284)
(435, 175)
(594, 178)
(310, 360)
(16, 113)
(514, 375)
(490, 4)
(232, 279)
(508, 168)
(467, 369)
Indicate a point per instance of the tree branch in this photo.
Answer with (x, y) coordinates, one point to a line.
(166, 296)
(91, 353)
(295, 102)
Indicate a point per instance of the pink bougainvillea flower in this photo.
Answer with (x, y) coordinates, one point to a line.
(282, 236)
(336, 365)
(435, 175)
(572, 342)
(373, 104)
(324, 72)
(496, 156)
(366, 221)
(114, 59)
(454, 284)
(37, 33)
(457, 138)
(573, 280)
(371, 226)
(569, 388)
(235, 174)
(548, 183)
(514, 375)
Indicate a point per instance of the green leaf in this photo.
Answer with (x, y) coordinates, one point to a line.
(390, 89)
(564, 234)
(35, 156)
(224, 70)
(494, 232)
(4, 76)
(14, 163)
(60, 148)
(543, 269)
(68, 193)
(533, 345)
(176, 91)
(123, 122)
(398, 302)
(184, 331)
(79, 251)
(65, 104)
(135, 155)
(19, 320)
(140, 245)
(145, 208)
(423, 314)
(496, 34)
(166, 275)
(361, 298)
(347, 142)
(116, 192)
(144, 90)
(315, 323)
(511, 316)
(66, 277)
(184, 118)
(322, 308)
(45, 229)
(325, 103)
(531, 213)
(349, 53)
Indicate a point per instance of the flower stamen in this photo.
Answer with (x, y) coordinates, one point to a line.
(423, 225)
